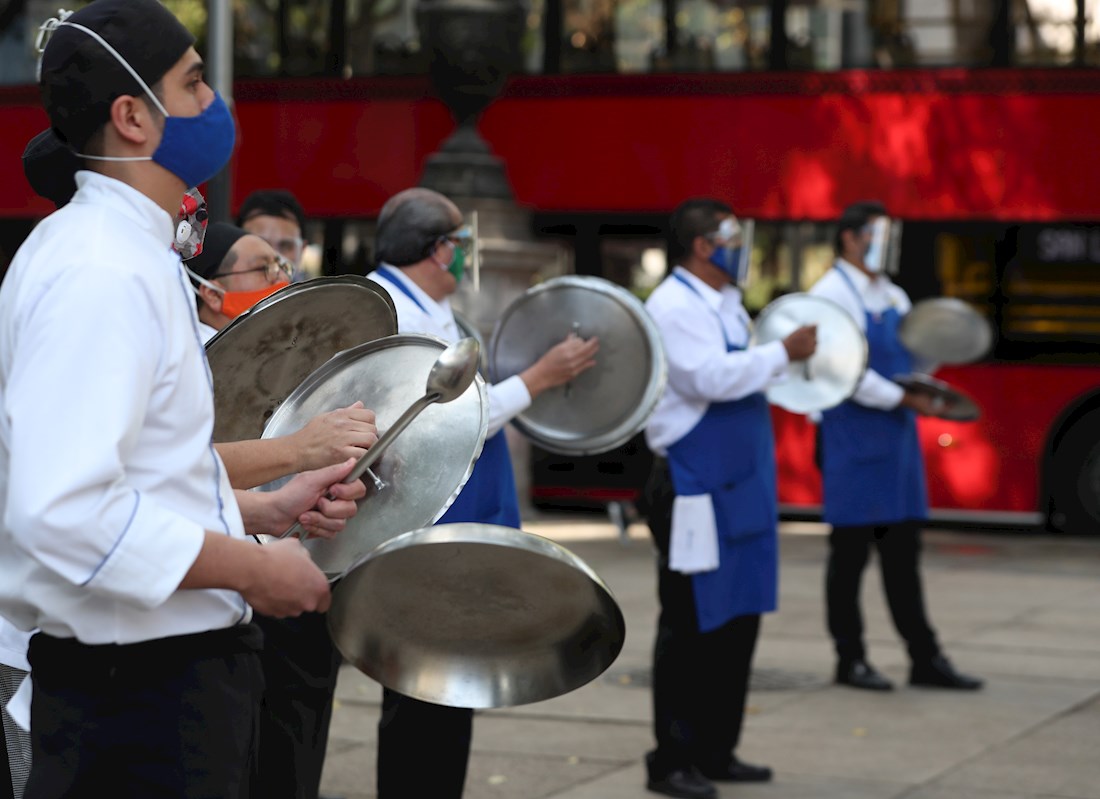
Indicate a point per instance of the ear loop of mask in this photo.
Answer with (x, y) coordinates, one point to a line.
(200, 279)
(45, 33)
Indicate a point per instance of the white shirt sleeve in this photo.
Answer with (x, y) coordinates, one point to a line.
(875, 391)
(78, 407)
(700, 368)
(507, 400)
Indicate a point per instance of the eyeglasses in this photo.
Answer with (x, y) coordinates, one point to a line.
(462, 238)
(273, 270)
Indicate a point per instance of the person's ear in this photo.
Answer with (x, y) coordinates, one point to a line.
(849, 240)
(213, 299)
(702, 248)
(131, 121)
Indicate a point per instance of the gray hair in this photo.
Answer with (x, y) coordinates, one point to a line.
(409, 224)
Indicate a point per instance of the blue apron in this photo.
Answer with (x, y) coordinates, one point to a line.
(489, 496)
(730, 454)
(871, 462)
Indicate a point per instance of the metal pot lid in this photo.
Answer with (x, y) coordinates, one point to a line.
(832, 373)
(427, 464)
(468, 329)
(260, 357)
(606, 405)
(476, 615)
(946, 330)
(951, 403)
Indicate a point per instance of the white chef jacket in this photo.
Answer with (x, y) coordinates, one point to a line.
(695, 326)
(107, 470)
(878, 295)
(507, 399)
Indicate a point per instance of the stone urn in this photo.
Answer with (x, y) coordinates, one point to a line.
(472, 46)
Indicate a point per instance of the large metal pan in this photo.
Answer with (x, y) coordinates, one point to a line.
(476, 615)
(606, 405)
(263, 355)
(426, 465)
(949, 402)
(946, 330)
(832, 373)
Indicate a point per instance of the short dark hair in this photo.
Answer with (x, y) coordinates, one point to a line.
(691, 219)
(272, 202)
(854, 217)
(409, 225)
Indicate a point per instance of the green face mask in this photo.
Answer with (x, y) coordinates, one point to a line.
(458, 265)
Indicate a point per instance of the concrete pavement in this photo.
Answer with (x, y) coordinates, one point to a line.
(1021, 611)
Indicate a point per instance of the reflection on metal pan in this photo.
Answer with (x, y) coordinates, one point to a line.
(476, 615)
(946, 330)
(606, 405)
(263, 355)
(427, 464)
(833, 372)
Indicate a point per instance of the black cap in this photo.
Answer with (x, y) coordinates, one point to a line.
(220, 238)
(80, 78)
(50, 167)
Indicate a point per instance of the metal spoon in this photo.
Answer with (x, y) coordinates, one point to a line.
(452, 373)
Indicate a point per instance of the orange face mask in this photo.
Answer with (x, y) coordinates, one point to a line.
(235, 303)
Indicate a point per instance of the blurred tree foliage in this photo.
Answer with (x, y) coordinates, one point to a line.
(191, 13)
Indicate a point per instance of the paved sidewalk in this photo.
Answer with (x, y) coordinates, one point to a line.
(1021, 611)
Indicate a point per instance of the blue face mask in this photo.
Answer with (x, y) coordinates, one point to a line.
(728, 259)
(194, 149)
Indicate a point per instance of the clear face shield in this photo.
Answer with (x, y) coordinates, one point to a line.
(733, 248)
(884, 249)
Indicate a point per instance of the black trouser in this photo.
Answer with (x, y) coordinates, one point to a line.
(6, 790)
(898, 548)
(700, 680)
(423, 749)
(300, 665)
(174, 718)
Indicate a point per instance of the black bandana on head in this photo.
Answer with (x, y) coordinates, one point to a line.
(220, 238)
(80, 78)
(50, 167)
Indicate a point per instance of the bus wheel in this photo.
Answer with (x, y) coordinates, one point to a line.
(1075, 481)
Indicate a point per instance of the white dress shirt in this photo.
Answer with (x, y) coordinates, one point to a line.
(878, 295)
(507, 399)
(206, 332)
(107, 470)
(695, 326)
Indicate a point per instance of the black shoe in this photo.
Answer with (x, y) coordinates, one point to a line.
(684, 783)
(738, 771)
(860, 674)
(939, 673)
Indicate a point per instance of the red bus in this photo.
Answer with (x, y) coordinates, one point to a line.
(983, 144)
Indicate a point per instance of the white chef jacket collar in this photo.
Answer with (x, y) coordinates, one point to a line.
(98, 189)
(712, 296)
(860, 279)
(437, 309)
